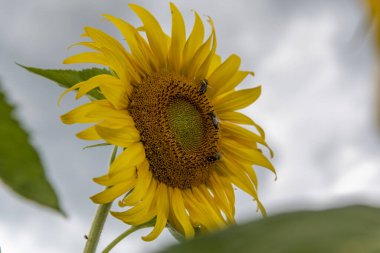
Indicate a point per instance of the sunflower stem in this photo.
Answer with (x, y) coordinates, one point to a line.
(99, 220)
(121, 237)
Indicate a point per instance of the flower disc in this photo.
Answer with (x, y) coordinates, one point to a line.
(173, 118)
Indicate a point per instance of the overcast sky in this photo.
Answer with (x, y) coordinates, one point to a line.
(317, 108)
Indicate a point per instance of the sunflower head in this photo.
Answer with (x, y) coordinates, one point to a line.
(171, 103)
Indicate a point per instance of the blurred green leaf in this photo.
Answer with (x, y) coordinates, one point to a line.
(67, 77)
(20, 166)
(353, 229)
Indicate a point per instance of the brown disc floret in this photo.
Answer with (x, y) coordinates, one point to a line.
(173, 118)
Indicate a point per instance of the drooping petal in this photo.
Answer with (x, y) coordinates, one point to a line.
(221, 200)
(127, 174)
(253, 156)
(112, 193)
(197, 210)
(240, 118)
(143, 211)
(144, 176)
(179, 209)
(244, 135)
(162, 199)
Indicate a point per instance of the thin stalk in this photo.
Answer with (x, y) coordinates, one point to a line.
(122, 236)
(99, 220)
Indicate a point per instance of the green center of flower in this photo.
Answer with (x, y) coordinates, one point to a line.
(176, 129)
(186, 123)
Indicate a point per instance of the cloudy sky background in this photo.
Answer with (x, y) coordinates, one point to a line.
(317, 108)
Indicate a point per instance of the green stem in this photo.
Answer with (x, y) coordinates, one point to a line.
(96, 228)
(121, 237)
(99, 220)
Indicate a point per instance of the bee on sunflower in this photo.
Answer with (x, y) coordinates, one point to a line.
(171, 104)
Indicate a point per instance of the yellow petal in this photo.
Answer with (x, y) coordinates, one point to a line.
(87, 57)
(142, 212)
(128, 159)
(83, 87)
(156, 37)
(80, 114)
(197, 211)
(116, 123)
(122, 137)
(238, 178)
(221, 75)
(112, 88)
(205, 198)
(228, 189)
(104, 40)
(253, 156)
(162, 212)
(194, 41)
(138, 46)
(215, 62)
(236, 100)
(239, 118)
(115, 91)
(117, 57)
(89, 44)
(229, 85)
(199, 57)
(110, 114)
(128, 174)
(89, 134)
(235, 131)
(178, 207)
(221, 198)
(178, 39)
(112, 193)
(201, 73)
(144, 176)
(145, 204)
(121, 66)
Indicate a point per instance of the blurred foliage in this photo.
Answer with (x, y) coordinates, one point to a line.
(353, 229)
(67, 77)
(20, 166)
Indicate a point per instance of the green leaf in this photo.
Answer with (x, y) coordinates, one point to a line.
(353, 229)
(20, 166)
(67, 77)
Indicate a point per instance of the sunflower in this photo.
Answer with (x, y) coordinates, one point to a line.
(171, 104)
